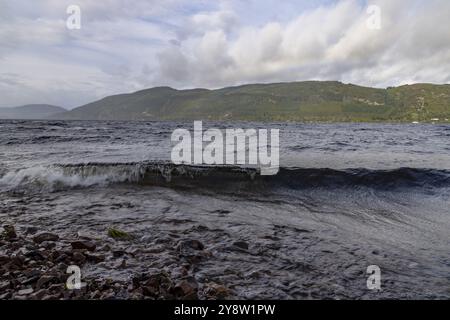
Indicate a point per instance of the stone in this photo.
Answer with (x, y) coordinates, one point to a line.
(10, 232)
(241, 244)
(4, 285)
(61, 258)
(38, 295)
(48, 245)
(83, 244)
(186, 289)
(190, 244)
(30, 280)
(45, 236)
(17, 260)
(31, 230)
(45, 280)
(216, 291)
(79, 257)
(25, 292)
(5, 296)
(33, 254)
(95, 258)
(118, 253)
(156, 284)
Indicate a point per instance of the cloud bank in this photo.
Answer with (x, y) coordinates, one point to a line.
(124, 46)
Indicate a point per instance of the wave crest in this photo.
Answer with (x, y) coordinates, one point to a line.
(162, 173)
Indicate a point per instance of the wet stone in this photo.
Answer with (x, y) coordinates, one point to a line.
(79, 257)
(241, 245)
(9, 232)
(25, 292)
(186, 289)
(31, 230)
(45, 236)
(190, 244)
(87, 245)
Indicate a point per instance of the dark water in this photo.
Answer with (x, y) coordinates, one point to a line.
(347, 196)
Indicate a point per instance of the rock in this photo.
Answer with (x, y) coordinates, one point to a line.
(33, 254)
(48, 245)
(58, 287)
(5, 296)
(95, 258)
(25, 292)
(186, 289)
(106, 247)
(179, 272)
(30, 280)
(118, 253)
(190, 244)
(62, 267)
(4, 285)
(122, 264)
(241, 244)
(79, 257)
(62, 257)
(45, 236)
(216, 291)
(38, 295)
(90, 246)
(45, 280)
(10, 232)
(31, 230)
(51, 296)
(4, 259)
(155, 284)
(17, 260)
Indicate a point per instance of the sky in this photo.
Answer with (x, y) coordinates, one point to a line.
(125, 46)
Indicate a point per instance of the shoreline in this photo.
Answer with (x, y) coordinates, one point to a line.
(35, 265)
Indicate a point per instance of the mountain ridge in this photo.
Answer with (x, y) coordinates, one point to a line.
(283, 101)
(30, 111)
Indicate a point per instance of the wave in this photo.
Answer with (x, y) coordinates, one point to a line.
(63, 176)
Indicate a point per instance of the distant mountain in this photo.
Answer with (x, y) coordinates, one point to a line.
(296, 101)
(30, 111)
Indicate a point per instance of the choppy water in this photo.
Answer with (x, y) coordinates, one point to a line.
(347, 196)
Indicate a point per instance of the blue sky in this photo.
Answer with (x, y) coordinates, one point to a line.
(124, 46)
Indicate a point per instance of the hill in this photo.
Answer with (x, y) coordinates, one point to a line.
(31, 111)
(296, 101)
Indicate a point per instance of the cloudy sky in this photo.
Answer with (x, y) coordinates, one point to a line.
(124, 46)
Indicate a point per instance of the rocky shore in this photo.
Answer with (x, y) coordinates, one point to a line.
(34, 265)
(157, 243)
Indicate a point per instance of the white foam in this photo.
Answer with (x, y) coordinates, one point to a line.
(53, 177)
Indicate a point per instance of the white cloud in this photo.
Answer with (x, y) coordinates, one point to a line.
(329, 42)
(130, 45)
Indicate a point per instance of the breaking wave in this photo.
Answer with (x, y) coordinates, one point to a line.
(63, 176)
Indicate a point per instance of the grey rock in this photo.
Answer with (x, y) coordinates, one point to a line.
(25, 292)
(83, 244)
(79, 257)
(45, 280)
(10, 232)
(45, 236)
(186, 289)
(241, 244)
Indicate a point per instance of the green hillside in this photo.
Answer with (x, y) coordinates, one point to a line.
(297, 101)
